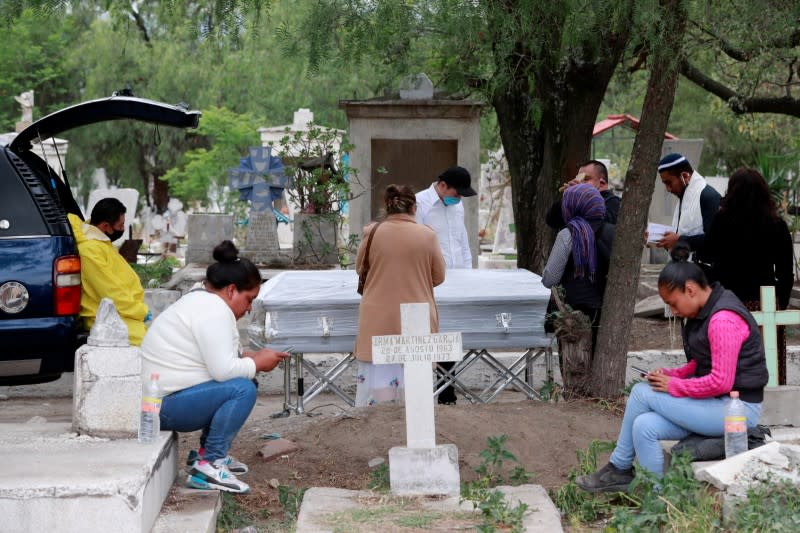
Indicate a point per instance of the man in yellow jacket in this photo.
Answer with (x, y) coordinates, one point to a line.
(105, 273)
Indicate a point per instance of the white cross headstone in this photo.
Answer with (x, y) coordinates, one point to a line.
(422, 467)
(769, 318)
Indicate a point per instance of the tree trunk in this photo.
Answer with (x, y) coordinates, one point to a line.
(610, 361)
(543, 155)
(574, 334)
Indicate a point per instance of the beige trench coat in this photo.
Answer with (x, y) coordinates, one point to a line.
(405, 264)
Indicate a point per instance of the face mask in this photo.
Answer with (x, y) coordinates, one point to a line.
(116, 234)
(451, 200)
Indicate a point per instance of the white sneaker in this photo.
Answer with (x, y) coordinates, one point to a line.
(234, 466)
(205, 475)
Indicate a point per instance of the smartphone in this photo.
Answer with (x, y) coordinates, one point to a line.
(642, 372)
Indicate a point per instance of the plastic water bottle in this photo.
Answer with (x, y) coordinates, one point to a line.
(735, 426)
(149, 423)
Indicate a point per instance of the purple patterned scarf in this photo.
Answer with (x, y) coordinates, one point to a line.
(581, 205)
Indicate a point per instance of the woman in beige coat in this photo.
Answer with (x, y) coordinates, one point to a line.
(405, 264)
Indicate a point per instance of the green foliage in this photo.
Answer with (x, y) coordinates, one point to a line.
(550, 391)
(770, 506)
(379, 478)
(290, 499)
(576, 504)
(226, 136)
(232, 515)
(154, 274)
(209, 54)
(33, 58)
(318, 182)
(495, 511)
(677, 502)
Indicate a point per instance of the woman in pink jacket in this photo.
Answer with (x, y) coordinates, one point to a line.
(724, 353)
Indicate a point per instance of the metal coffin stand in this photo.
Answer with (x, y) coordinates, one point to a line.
(317, 312)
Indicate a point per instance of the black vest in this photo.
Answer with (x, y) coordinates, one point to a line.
(581, 293)
(751, 366)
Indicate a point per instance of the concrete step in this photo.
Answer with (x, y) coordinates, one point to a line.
(55, 480)
(188, 510)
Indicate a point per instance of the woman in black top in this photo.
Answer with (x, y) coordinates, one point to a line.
(749, 245)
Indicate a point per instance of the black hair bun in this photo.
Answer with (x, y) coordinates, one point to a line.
(680, 252)
(226, 252)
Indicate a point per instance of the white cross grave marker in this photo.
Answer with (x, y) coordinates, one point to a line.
(422, 467)
(769, 318)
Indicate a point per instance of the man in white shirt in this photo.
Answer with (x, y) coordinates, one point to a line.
(698, 203)
(439, 207)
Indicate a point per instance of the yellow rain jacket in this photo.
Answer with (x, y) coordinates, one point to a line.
(106, 274)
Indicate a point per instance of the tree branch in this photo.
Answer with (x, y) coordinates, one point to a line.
(729, 50)
(739, 104)
(137, 18)
(739, 54)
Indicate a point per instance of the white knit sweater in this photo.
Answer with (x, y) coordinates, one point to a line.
(193, 341)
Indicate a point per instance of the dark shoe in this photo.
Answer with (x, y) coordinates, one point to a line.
(607, 479)
(442, 402)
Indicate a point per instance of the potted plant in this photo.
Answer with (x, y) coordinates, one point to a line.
(319, 187)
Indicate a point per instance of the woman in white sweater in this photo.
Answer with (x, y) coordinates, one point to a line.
(207, 379)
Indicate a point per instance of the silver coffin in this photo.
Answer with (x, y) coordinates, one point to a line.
(317, 311)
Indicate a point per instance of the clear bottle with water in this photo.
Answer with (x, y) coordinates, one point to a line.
(149, 423)
(735, 426)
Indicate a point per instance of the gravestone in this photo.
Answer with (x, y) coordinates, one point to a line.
(205, 231)
(107, 380)
(25, 100)
(261, 242)
(421, 467)
(505, 240)
(769, 318)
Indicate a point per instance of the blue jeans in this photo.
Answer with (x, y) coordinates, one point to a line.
(652, 416)
(220, 409)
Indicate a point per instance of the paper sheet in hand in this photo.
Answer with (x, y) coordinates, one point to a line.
(655, 232)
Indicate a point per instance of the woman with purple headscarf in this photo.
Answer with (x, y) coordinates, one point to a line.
(580, 256)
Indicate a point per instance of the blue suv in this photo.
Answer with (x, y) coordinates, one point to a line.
(39, 265)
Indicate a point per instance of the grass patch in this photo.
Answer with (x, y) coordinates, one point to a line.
(388, 513)
(232, 515)
(154, 274)
(495, 511)
(579, 506)
(677, 502)
(379, 478)
(419, 520)
(770, 506)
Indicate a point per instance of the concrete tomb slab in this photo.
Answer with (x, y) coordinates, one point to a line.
(324, 508)
(59, 481)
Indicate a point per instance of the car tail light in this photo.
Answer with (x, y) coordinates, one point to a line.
(67, 284)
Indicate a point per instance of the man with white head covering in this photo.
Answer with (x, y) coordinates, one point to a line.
(698, 202)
